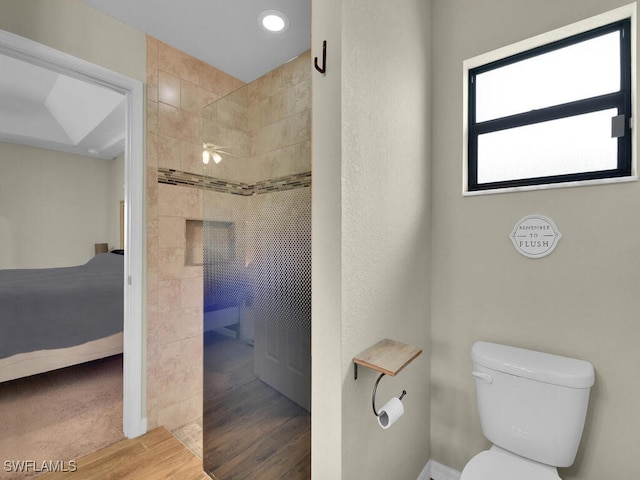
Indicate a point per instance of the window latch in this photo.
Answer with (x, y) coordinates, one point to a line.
(618, 124)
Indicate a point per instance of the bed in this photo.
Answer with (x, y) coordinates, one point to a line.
(56, 317)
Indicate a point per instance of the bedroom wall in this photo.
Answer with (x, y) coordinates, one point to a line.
(581, 301)
(116, 195)
(54, 207)
(74, 28)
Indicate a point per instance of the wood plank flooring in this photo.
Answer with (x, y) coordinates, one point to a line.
(157, 455)
(250, 430)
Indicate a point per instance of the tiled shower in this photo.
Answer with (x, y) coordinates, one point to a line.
(256, 233)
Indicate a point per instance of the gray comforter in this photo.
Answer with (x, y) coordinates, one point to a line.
(61, 307)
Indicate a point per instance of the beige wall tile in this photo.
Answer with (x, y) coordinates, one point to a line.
(175, 325)
(175, 62)
(166, 329)
(169, 89)
(192, 271)
(191, 157)
(170, 416)
(169, 358)
(152, 251)
(232, 114)
(171, 232)
(152, 193)
(152, 407)
(152, 52)
(179, 201)
(232, 169)
(152, 117)
(297, 70)
(168, 152)
(266, 86)
(216, 81)
(192, 292)
(191, 408)
(288, 101)
(285, 161)
(171, 264)
(284, 133)
(191, 323)
(177, 123)
(191, 354)
(178, 385)
(152, 84)
(152, 150)
(152, 294)
(240, 95)
(237, 141)
(169, 295)
(179, 87)
(195, 98)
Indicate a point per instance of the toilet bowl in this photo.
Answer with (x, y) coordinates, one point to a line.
(498, 464)
(532, 408)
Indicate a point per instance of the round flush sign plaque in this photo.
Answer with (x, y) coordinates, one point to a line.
(535, 236)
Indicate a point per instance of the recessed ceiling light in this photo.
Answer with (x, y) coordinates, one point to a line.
(273, 21)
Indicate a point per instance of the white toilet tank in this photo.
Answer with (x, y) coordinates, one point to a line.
(531, 403)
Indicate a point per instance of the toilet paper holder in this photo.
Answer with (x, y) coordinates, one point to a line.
(387, 357)
(373, 395)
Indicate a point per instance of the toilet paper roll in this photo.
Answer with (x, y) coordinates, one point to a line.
(390, 412)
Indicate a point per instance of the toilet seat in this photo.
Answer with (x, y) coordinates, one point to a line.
(495, 465)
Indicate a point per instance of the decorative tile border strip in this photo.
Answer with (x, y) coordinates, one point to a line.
(186, 179)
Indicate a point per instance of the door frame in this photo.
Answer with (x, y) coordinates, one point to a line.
(133, 408)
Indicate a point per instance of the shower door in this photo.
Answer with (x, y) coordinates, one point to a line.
(257, 281)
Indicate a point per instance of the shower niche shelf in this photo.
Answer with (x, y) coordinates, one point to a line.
(387, 356)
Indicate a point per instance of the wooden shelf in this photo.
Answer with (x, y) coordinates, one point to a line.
(387, 356)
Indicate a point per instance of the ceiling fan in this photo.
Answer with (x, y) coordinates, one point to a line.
(213, 151)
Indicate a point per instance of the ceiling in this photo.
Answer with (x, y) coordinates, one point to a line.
(45, 109)
(222, 33)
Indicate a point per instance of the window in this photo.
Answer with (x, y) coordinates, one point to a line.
(555, 113)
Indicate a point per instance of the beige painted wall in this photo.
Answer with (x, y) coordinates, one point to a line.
(74, 28)
(370, 232)
(79, 30)
(370, 262)
(116, 195)
(327, 371)
(54, 207)
(581, 301)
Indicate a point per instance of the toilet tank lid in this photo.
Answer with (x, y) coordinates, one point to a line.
(543, 367)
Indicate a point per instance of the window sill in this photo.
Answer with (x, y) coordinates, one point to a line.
(584, 183)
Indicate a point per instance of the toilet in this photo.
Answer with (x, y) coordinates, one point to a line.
(532, 408)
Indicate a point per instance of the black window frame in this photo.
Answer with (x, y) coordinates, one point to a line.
(620, 100)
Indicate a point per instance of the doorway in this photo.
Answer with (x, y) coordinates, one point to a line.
(17, 47)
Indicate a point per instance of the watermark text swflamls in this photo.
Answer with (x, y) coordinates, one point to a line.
(34, 466)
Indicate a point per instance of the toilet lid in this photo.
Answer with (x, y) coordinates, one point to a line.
(492, 465)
